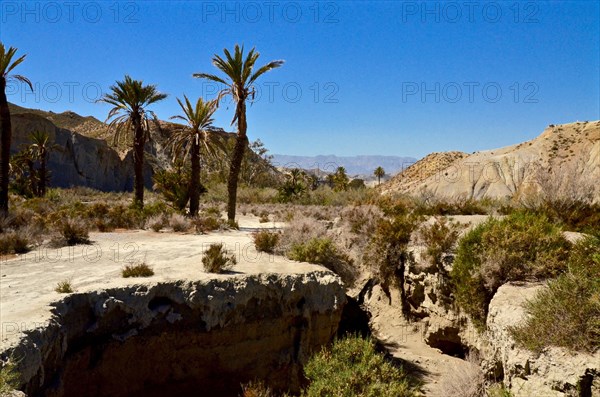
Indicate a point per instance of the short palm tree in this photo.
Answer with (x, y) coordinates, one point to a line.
(6, 66)
(239, 79)
(41, 148)
(379, 173)
(130, 114)
(188, 141)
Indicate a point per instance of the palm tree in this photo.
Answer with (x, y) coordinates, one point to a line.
(340, 179)
(6, 66)
(188, 141)
(130, 113)
(379, 173)
(41, 148)
(240, 76)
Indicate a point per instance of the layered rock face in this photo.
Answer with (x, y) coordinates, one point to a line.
(182, 337)
(78, 160)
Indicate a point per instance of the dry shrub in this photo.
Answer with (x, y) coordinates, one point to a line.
(217, 259)
(157, 222)
(256, 389)
(71, 232)
(299, 230)
(464, 380)
(179, 223)
(137, 270)
(64, 287)
(14, 242)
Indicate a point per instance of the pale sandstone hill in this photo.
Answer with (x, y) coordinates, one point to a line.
(569, 153)
(429, 165)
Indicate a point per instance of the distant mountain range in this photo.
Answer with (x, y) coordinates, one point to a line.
(355, 165)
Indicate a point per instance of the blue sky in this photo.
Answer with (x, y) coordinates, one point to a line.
(373, 77)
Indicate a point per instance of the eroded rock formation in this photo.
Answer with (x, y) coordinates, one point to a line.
(183, 337)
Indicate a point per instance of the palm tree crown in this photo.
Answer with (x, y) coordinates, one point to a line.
(199, 120)
(240, 73)
(7, 65)
(130, 99)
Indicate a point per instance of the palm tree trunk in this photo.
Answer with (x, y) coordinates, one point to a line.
(138, 160)
(241, 143)
(43, 176)
(194, 192)
(5, 139)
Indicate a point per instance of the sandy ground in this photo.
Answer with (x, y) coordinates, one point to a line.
(27, 282)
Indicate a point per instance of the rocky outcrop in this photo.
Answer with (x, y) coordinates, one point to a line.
(554, 372)
(182, 337)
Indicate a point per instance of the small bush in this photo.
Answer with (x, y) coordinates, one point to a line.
(256, 389)
(64, 287)
(264, 217)
(352, 367)
(232, 224)
(207, 223)
(567, 312)
(464, 380)
(217, 259)
(439, 238)
(265, 241)
(519, 247)
(15, 242)
(137, 270)
(179, 223)
(72, 232)
(156, 223)
(322, 251)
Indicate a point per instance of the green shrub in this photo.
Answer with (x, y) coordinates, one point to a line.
(567, 312)
(64, 287)
(264, 217)
(217, 259)
(265, 241)
(519, 247)
(439, 238)
(352, 367)
(9, 377)
(387, 253)
(322, 251)
(137, 270)
(207, 223)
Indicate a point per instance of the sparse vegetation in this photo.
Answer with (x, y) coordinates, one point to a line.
(322, 251)
(566, 313)
(519, 247)
(266, 241)
(217, 259)
(14, 242)
(71, 232)
(64, 287)
(179, 223)
(137, 270)
(353, 367)
(9, 377)
(439, 238)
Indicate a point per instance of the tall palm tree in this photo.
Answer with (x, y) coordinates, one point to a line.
(130, 113)
(188, 141)
(6, 66)
(239, 79)
(379, 173)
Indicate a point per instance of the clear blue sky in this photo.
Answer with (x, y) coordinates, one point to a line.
(376, 77)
